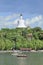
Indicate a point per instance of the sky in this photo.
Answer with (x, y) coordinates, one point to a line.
(32, 11)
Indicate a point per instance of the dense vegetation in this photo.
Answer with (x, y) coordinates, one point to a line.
(17, 38)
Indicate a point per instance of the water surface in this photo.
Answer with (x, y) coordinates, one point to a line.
(33, 58)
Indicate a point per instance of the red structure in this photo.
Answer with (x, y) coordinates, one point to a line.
(25, 49)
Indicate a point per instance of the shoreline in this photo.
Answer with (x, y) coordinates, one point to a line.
(5, 51)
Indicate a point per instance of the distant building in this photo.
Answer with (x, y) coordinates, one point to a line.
(29, 36)
(41, 36)
(21, 22)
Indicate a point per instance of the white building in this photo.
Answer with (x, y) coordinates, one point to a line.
(21, 22)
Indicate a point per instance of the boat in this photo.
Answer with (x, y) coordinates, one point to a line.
(22, 55)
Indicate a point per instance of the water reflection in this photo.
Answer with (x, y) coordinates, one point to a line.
(21, 61)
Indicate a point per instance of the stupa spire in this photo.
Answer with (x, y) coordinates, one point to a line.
(21, 16)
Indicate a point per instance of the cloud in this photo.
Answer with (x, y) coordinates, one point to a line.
(11, 16)
(35, 20)
(9, 21)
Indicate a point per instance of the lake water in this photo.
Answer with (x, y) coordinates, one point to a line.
(33, 58)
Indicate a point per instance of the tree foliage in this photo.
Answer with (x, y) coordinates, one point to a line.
(17, 38)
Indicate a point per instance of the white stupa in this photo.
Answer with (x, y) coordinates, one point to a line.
(21, 22)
